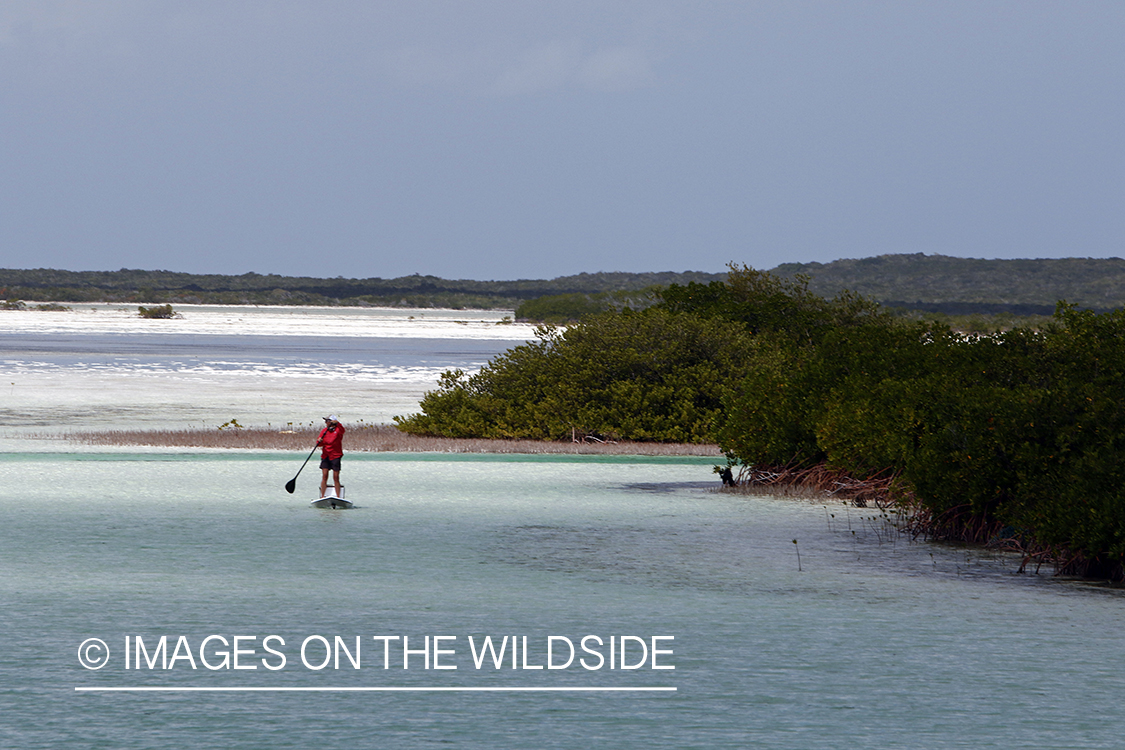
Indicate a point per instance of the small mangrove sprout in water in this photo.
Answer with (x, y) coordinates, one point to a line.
(156, 312)
(796, 547)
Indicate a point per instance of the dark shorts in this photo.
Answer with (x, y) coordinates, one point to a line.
(330, 463)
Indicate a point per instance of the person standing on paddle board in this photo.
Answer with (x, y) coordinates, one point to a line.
(331, 442)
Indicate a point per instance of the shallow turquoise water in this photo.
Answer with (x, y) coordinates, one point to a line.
(875, 642)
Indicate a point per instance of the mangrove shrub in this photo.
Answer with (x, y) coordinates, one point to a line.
(652, 375)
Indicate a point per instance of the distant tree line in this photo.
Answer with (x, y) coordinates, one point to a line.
(954, 289)
(970, 294)
(965, 286)
(1017, 435)
(165, 287)
(559, 309)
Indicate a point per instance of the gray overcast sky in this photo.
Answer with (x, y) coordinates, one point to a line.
(501, 140)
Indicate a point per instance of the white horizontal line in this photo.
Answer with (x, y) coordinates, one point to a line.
(370, 689)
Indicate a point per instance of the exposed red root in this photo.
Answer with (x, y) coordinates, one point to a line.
(958, 524)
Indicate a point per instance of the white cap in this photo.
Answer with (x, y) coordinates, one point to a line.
(332, 418)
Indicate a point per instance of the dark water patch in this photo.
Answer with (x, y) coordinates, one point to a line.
(664, 488)
(667, 558)
(109, 349)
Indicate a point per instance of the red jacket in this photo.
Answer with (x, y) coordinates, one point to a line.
(331, 442)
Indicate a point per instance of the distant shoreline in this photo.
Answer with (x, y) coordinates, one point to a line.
(372, 439)
(924, 283)
(138, 287)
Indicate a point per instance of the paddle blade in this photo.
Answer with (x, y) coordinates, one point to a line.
(291, 485)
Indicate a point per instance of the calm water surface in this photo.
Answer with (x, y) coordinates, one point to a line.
(874, 643)
(102, 367)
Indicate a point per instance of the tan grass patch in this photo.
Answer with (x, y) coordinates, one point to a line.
(371, 439)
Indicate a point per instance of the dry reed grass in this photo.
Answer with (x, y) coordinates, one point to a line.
(372, 439)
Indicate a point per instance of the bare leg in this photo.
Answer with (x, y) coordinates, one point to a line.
(323, 481)
(336, 481)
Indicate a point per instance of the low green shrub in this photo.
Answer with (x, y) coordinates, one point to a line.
(157, 312)
(653, 375)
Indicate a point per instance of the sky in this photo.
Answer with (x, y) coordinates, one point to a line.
(500, 140)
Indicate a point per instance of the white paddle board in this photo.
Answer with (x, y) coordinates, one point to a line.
(330, 499)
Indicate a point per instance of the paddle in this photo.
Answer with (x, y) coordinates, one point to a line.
(292, 483)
